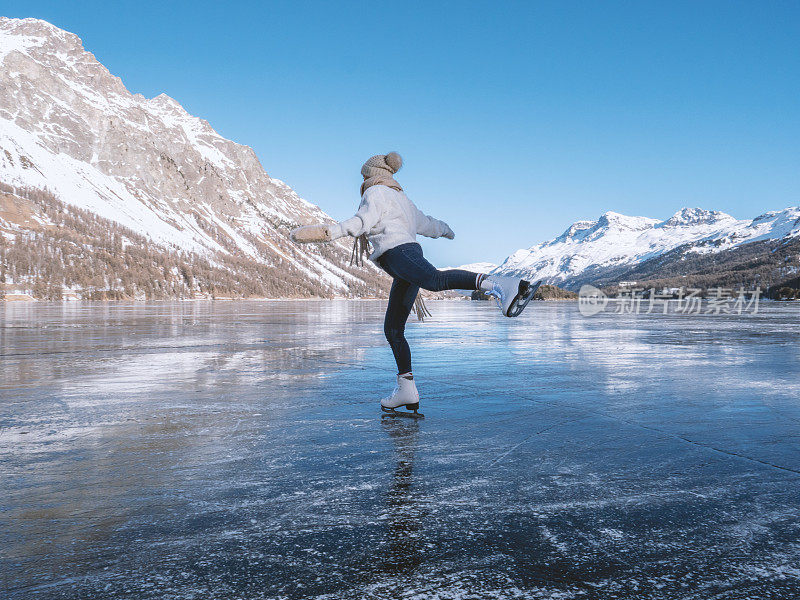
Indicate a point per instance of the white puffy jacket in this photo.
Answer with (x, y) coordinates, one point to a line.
(389, 219)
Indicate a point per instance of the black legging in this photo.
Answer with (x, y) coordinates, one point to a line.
(411, 271)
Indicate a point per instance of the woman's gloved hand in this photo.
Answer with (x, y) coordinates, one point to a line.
(311, 233)
(448, 233)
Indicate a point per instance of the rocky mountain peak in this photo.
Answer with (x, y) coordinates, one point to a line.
(590, 251)
(168, 103)
(576, 230)
(30, 36)
(615, 220)
(687, 217)
(70, 126)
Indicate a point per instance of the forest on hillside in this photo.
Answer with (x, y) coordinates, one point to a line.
(771, 265)
(49, 247)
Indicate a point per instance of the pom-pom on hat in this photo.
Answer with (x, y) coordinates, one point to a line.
(395, 161)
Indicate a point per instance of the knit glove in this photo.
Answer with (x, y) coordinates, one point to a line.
(448, 233)
(311, 233)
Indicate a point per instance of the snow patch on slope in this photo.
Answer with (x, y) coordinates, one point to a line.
(25, 162)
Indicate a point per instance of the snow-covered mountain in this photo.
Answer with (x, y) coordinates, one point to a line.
(69, 126)
(478, 267)
(590, 251)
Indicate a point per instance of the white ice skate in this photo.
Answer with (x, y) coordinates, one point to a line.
(512, 293)
(405, 394)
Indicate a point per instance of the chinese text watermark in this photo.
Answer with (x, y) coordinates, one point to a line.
(684, 301)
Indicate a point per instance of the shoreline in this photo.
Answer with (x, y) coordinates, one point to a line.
(30, 300)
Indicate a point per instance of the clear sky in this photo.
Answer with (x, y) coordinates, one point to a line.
(514, 119)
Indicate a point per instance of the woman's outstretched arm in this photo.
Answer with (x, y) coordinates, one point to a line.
(432, 228)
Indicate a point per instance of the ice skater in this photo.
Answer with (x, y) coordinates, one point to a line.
(390, 222)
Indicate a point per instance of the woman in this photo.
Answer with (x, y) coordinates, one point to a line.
(391, 223)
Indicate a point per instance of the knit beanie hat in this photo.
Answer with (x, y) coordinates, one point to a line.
(382, 165)
(379, 169)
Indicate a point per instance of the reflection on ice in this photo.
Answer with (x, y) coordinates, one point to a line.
(402, 513)
(236, 449)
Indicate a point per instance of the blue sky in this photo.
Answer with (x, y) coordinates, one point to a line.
(514, 119)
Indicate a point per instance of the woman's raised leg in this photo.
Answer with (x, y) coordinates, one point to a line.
(408, 263)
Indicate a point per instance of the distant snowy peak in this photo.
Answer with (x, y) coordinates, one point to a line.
(688, 217)
(775, 225)
(593, 248)
(478, 267)
(614, 220)
(576, 231)
(610, 221)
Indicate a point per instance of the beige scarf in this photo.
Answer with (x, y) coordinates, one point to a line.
(386, 180)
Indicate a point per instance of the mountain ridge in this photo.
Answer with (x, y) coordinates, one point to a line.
(71, 128)
(597, 251)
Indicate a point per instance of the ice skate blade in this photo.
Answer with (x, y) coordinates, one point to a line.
(524, 295)
(390, 412)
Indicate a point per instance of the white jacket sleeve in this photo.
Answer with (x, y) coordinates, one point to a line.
(430, 227)
(368, 215)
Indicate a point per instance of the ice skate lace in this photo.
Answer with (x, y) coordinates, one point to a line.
(394, 393)
(497, 293)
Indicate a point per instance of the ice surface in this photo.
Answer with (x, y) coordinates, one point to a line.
(236, 450)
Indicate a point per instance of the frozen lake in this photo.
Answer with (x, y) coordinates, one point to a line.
(236, 450)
